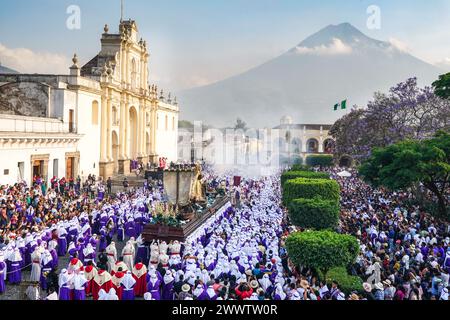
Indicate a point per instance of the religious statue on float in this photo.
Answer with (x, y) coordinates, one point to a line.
(197, 193)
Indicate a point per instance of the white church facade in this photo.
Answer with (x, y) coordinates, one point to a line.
(95, 120)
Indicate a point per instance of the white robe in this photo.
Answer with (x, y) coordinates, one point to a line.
(35, 267)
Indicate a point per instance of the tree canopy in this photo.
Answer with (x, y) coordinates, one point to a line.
(411, 162)
(442, 86)
(322, 250)
(406, 112)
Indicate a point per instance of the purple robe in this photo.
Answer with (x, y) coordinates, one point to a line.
(45, 268)
(62, 246)
(80, 294)
(120, 234)
(142, 253)
(64, 293)
(154, 289)
(203, 296)
(2, 277)
(14, 272)
(167, 291)
(54, 259)
(128, 294)
(130, 229)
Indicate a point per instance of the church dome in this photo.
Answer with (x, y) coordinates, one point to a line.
(286, 120)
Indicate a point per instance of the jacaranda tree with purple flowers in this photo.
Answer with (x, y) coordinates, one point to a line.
(405, 112)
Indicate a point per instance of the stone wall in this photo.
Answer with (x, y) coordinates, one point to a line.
(24, 99)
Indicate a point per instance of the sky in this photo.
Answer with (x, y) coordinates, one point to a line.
(198, 42)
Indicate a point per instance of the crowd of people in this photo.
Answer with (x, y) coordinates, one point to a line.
(405, 251)
(238, 254)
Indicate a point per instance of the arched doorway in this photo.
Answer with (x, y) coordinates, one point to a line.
(132, 133)
(312, 146)
(115, 151)
(329, 146)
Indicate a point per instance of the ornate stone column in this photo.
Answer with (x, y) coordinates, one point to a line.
(103, 129)
(108, 122)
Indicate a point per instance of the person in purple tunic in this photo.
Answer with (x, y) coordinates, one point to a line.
(212, 295)
(103, 241)
(2, 275)
(130, 231)
(200, 292)
(127, 284)
(168, 281)
(80, 248)
(64, 282)
(279, 294)
(153, 286)
(15, 272)
(80, 283)
(52, 249)
(46, 267)
(62, 241)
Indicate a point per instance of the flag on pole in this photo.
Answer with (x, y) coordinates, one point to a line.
(343, 105)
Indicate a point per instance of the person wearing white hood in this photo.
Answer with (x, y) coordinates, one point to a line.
(2, 272)
(266, 284)
(102, 295)
(15, 272)
(128, 254)
(444, 294)
(89, 254)
(35, 265)
(111, 253)
(80, 284)
(112, 295)
(148, 296)
(340, 296)
(64, 284)
(167, 286)
(128, 283)
(279, 293)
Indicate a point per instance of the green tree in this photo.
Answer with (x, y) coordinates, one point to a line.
(292, 174)
(408, 163)
(315, 213)
(240, 124)
(322, 250)
(442, 86)
(309, 189)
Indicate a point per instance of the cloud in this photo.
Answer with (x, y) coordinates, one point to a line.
(25, 60)
(399, 45)
(337, 47)
(443, 64)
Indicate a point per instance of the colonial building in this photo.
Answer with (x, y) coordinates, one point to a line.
(301, 140)
(281, 145)
(94, 120)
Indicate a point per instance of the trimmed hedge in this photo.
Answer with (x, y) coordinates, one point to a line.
(310, 189)
(322, 250)
(314, 213)
(324, 160)
(346, 283)
(289, 175)
(300, 167)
